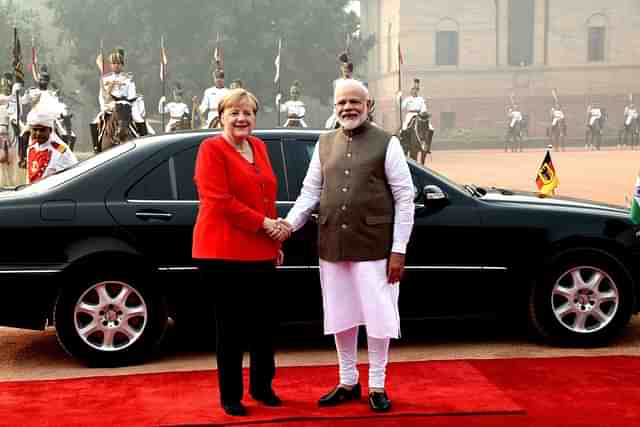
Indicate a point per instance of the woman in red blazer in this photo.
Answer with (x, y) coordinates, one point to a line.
(237, 215)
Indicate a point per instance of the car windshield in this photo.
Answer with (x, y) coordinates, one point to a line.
(76, 170)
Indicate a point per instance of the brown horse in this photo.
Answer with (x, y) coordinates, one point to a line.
(416, 139)
(117, 127)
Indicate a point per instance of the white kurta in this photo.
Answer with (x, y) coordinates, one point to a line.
(357, 293)
(209, 105)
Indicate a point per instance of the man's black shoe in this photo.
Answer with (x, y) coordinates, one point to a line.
(339, 395)
(268, 399)
(236, 409)
(379, 401)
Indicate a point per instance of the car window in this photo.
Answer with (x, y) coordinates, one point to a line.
(156, 185)
(274, 148)
(298, 155)
(184, 165)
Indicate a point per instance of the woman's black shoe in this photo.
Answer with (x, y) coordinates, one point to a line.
(379, 401)
(236, 409)
(339, 395)
(268, 399)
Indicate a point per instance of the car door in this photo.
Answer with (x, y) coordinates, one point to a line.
(444, 262)
(157, 205)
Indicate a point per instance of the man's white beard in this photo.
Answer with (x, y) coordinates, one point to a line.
(351, 124)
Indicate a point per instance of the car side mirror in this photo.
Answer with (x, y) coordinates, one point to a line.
(433, 195)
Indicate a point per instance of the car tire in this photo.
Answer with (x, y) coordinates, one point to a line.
(110, 319)
(583, 300)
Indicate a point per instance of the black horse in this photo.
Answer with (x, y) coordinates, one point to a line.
(630, 132)
(513, 138)
(416, 139)
(593, 135)
(558, 134)
(64, 130)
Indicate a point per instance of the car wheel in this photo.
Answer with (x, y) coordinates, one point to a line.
(583, 300)
(110, 319)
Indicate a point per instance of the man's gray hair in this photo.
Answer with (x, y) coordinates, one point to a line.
(352, 83)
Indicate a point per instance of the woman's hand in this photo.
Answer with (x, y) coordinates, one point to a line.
(277, 229)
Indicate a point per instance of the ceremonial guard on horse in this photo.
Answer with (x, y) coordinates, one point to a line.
(8, 140)
(514, 130)
(596, 117)
(416, 133)
(211, 99)
(121, 115)
(45, 94)
(178, 111)
(631, 126)
(294, 108)
(558, 130)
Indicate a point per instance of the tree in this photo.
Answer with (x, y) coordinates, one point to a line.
(313, 35)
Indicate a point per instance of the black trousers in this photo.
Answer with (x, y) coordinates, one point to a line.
(245, 320)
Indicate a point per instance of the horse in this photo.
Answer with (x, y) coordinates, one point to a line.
(594, 133)
(630, 130)
(513, 136)
(116, 127)
(64, 130)
(215, 123)
(558, 134)
(416, 139)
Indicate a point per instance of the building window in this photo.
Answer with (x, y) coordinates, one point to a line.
(447, 48)
(447, 120)
(521, 26)
(596, 44)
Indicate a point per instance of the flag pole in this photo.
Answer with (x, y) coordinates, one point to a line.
(400, 84)
(18, 79)
(164, 79)
(279, 95)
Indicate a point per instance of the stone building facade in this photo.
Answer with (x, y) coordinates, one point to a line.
(474, 56)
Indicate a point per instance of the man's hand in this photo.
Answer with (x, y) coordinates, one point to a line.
(277, 229)
(396, 268)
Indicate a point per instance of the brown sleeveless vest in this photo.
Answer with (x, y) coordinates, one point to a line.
(356, 203)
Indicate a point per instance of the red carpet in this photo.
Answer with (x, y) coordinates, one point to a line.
(418, 389)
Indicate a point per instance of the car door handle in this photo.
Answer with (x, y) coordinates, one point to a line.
(146, 215)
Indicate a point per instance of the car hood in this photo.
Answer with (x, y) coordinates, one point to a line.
(498, 195)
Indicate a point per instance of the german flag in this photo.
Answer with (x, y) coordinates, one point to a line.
(546, 178)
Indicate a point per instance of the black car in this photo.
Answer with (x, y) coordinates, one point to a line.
(103, 252)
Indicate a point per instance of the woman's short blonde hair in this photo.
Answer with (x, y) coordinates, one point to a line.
(236, 97)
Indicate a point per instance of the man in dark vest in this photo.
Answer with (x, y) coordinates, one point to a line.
(359, 177)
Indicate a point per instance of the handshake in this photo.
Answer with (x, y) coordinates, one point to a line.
(277, 229)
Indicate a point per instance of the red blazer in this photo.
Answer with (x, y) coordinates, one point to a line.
(235, 196)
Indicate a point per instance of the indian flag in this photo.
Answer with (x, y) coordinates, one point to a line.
(635, 203)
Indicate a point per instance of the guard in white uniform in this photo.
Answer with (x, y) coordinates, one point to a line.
(630, 114)
(359, 269)
(47, 153)
(211, 99)
(294, 108)
(178, 111)
(557, 115)
(595, 113)
(8, 145)
(515, 116)
(413, 105)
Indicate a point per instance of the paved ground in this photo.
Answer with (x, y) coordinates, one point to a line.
(606, 176)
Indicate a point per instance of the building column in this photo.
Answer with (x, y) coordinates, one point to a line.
(539, 32)
(502, 32)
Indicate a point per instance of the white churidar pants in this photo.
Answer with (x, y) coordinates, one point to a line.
(378, 350)
(357, 293)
